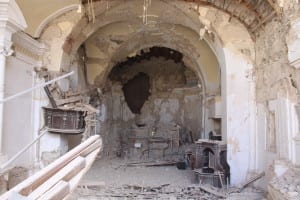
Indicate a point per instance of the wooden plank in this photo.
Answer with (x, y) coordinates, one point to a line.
(37, 179)
(211, 191)
(274, 5)
(92, 147)
(74, 99)
(221, 180)
(91, 108)
(153, 164)
(59, 191)
(75, 180)
(50, 97)
(255, 178)
(66, 173)
(263, 21)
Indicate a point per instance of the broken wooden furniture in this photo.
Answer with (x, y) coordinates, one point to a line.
(65, 121)
(70, 113)
(211, 162)
(59, 179)
(215, 179)
(141, 141)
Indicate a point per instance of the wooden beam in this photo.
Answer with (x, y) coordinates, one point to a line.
(59, 191)
(40, 177)
(263, 21)
(73, 99)
(275, 7)
(212, 191)
(75, 180)
(65, 174)
(91, 148)
(257, 4)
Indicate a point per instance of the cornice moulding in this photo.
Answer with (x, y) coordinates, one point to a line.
(25, 41)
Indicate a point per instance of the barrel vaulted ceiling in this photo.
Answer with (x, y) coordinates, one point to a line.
(252, 13)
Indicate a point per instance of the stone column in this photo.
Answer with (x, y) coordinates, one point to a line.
(5, 51)
(297, 139)
(11, 21)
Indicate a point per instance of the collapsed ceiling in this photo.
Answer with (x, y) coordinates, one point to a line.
(253, 14)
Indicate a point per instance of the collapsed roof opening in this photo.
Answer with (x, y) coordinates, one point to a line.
(136, 92)
(135, 77)
(153, 92)
(167, 53)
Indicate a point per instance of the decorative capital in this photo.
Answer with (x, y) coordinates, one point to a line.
(6, 51)
(6, 47)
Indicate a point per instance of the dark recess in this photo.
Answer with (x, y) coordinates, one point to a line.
(137, 89)
(167, 53)
(136, 92)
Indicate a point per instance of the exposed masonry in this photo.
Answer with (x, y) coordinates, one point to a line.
(252, 14)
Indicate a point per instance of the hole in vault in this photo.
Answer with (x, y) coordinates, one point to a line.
(136, 92)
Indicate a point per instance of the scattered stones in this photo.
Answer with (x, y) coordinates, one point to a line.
(293, 194)
(292, 188)
(287, 185)
(137, 192)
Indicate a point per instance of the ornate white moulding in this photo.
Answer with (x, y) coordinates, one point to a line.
(293, 43)
(297, 150)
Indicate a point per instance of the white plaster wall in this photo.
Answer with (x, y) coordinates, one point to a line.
(49, 143)
(17, 113)
(286, 127)
(296, 148)
(239, 116)
(264, 156)
(39, 100)
(23, 116)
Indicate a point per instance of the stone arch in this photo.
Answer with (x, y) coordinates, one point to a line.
(235, 55)
(135, 46)
(53, 16)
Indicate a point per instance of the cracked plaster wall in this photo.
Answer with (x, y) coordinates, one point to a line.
(173, 100)
(277, 86)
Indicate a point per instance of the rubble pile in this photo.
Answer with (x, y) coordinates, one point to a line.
(287, 186)
(138, 192)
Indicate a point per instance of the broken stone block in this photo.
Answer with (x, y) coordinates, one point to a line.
(293, 194)
(292, 188)
(17, 175)
(3, 185)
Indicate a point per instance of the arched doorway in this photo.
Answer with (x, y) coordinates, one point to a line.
(222, 59)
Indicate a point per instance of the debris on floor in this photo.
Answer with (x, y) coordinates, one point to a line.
(286, 187)
(139, 192)
(113, 179)
(199, 192)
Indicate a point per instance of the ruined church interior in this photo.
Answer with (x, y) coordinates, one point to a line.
(150, 99)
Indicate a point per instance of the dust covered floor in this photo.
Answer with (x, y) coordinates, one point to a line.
(115, 172)
(115, 179)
